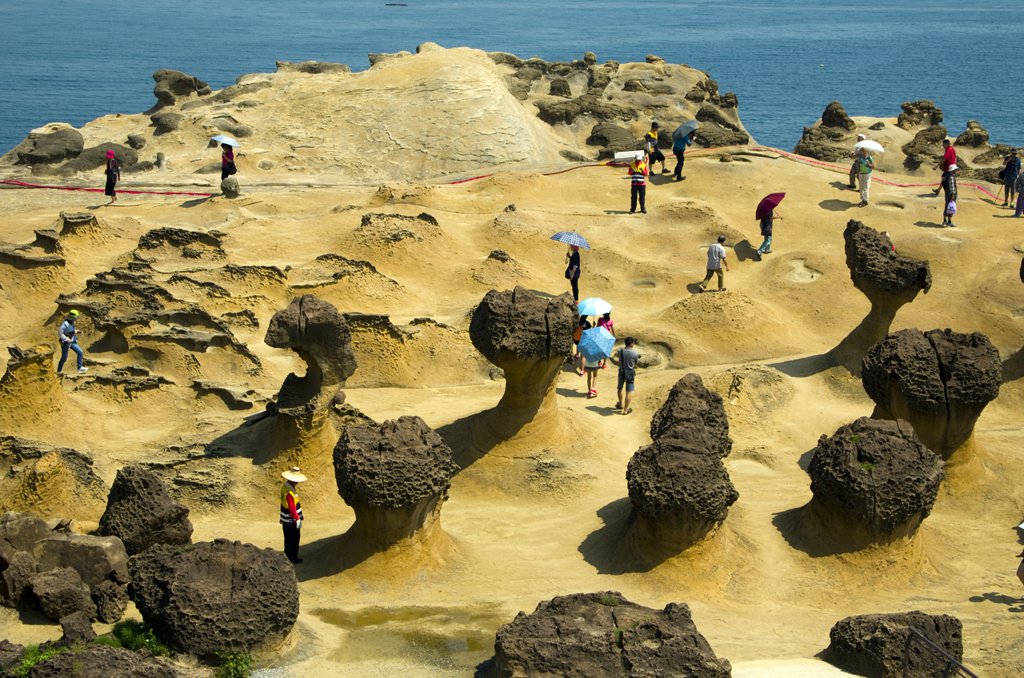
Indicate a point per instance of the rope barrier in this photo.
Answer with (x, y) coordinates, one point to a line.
(22, 184)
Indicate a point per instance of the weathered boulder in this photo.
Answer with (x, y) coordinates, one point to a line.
(918, 113)
(828, 144)
(975, 135)
(711, 136)
(872, 645)
(91, 159)
(887, 279)
(603, 635)
(19, 532)
(111, 600)
(94, 558)
(11, 654)
(873, 482)
(835, 116)
(167, 122)
(939, 381)
(219, 596)
(560, 88)
(64, 144)
(613, 139)
(137, 141)
(395, 477)
(170, 85)
(312, 67)
(141, 513)
(230, 188)
(101, 661)
(530, 338)
(16, 580)
(693, 414)
(61, 592)
(76, 628)
(925, 147)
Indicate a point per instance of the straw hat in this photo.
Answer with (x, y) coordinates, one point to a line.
(294, 475)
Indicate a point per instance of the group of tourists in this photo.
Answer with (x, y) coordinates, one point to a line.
(113, 170)
(646, 158)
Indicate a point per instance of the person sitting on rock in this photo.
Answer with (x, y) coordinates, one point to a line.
(651, 148)
(68, 337)
(291, 513)
(854, 167)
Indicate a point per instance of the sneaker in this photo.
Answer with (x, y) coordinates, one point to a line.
(951, 225)
(644, 211)
(83, 370)
(666, 171)
(632, 211)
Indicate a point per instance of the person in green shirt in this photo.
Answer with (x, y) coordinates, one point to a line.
(865, 163)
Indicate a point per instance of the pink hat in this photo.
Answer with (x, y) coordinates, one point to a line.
(110, 154)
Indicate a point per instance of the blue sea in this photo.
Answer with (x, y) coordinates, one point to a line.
(75, 60)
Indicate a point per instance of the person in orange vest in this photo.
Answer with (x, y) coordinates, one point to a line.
(638, 187)
(291, 512)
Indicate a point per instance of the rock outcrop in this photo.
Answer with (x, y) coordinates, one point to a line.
(95, 559)
(141, 513)
(872, 645)
(61, 592)
(874, 483)
(974, 136)
(831, 140)
(678, 486)
(38, 477)
(63, 144)
(916, 113)
(218, 596)
(939, 381)
(101, 661)
(603, 635)
(395, 477)
(30, 390)
(530, 338)
(174, 85)
(889, 280)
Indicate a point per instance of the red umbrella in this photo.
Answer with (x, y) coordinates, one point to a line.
(768, 204)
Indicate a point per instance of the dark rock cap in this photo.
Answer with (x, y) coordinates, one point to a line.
(873, 644)
(523, 324)
(872, 261)
(679, 480)
(694, 415)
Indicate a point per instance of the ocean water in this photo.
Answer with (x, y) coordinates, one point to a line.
(75, 60)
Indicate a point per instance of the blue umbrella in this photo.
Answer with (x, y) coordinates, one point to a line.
(571, 239)
(684, 130)
(594, 306)
(221, 139)
(596, 344)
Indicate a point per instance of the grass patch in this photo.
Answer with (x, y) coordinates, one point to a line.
(184, 549)
(234, 665)
(609, 601)
(855, 438)
(109, 641)
(32, 657)
(135, 636)
(867, 466)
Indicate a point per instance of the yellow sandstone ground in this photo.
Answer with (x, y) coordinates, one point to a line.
(538, 518)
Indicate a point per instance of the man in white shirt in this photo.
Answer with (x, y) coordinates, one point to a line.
(716, 259)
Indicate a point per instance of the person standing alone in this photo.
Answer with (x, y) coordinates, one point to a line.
(113, 173)
(68, 337)
(865, 164)
(572, 271)
(291, 512)
(227, 162)
(638, 183)
(716, 259)
(766, 231)
(652, 149)
(628, 358)
(1011, 170)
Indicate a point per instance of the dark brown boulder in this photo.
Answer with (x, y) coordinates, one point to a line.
(889, 280)
(111, 601)
(975, 135)
(58, 146)
(530, 338)
(62, 592)
(170, 85)
(20, 532)
(167, 121)
(141, 513)
(560, 88)
(11, 654)
(91, 159)
(219, 596)
(873, 482)
(922, 112)
(76, 628)
(872, 645)
(16, 580)
(613, 139)
(101, 661)
(94, 558)
(694, 415)
(939, 381)
(603, 635)
(835, 116)
(712, 136)
(828, 144)
(395, 477)
(925, 147)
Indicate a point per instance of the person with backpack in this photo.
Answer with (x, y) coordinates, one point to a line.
(1011, 170)
(68, 337)
(113, 173)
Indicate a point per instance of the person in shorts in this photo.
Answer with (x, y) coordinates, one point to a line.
(628, 358)
(592, 368)
(654, 153)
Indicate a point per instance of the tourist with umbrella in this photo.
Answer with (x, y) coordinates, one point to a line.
(227, 156)
(595, 345)
(865, 163)
(572, 255)
(681, 138)
(766, 213)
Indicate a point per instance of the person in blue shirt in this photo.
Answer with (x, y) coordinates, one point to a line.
(678, 148)
(68, 337)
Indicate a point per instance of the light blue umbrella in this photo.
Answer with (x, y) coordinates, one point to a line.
(594, 306)
(221, 139)
(571, 239)
(596, 344)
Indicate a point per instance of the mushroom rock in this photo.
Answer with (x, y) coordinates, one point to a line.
(301, 431)
(873, 483)
(30, 391)
(692, 411)
(887, 279)
(939, 381)
(603, 635)
(530, 338)
(395, 477)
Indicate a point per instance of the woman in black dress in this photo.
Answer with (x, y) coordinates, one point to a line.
(573, 271)
(113, 173)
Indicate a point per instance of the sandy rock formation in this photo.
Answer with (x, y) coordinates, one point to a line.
(395, 477)
(218, 596)
(141, 513)
(530, 338)
(887, 279)
(925, 149)
(922, 112)
(229, 187)
(872, 645)
(30, 390)
(830, 140)
(975, 135)
(873, 483)
(939, 381)
(174, 85)
(38, 477)
(603, 635)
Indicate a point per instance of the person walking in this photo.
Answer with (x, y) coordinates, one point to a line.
(572, 271)
(227, 162)
(948, 186)
(591, 367)
(583, 326)
(1019, 186)
(948, 160)
(113, 173)
(605, 321)
(291, 512)
(628, 358)
(679, 150)
(68, 337)
(766, 231)
(651, 147)
(716, 259)
(638, 184)
(855, 167)
(865, 164)
(1011, 170)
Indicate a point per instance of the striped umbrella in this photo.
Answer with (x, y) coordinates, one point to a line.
(571, 239)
